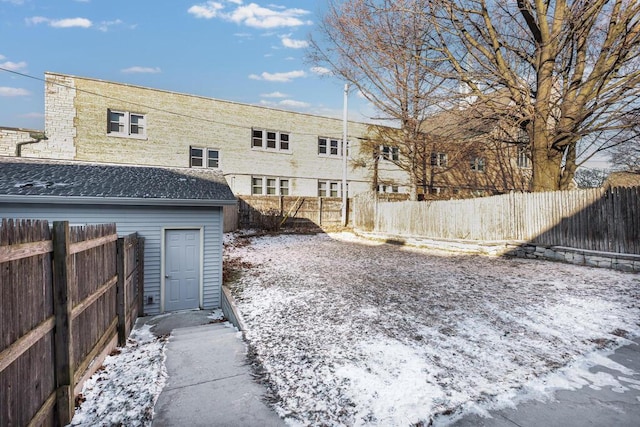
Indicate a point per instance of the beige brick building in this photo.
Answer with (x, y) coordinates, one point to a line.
(14, 140)
(260, 150)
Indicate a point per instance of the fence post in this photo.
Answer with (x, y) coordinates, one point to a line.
(320, 211)
(121, 303)
(63, 339)
(140, 257)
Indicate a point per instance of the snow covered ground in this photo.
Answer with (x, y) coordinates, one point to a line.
(125, 389)
(351, 332)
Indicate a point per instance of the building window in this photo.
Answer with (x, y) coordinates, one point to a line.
(269, 186)
(213, 159)
(284, 187)
(197, 158)
(284, 141)
(330, 188)
(522, 160)
(256, 186)
(388, 188)
(123, 123)
(478, 164)
(389, 153)
(328, 147)
(256, 141)
(269, 140)
(439, 159)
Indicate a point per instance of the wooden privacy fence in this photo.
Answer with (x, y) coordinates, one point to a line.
(292, 211)
(66, 294)
(595, 219)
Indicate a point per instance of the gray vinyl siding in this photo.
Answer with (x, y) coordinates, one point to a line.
(149, 223)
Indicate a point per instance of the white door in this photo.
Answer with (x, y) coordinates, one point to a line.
(182, 270)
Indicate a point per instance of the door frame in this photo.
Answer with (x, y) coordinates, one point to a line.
(163, 234)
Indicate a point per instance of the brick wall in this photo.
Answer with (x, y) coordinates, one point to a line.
(59, 120)
(175, 121)
(10, 137)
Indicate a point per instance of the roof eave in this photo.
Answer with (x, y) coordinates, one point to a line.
(120, 201)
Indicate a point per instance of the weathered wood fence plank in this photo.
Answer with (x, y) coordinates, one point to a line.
(58, 313)
(62, 267)
(596, 219)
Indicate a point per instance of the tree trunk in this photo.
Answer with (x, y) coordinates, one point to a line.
(546, 167)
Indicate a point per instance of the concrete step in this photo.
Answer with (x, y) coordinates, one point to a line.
(193, 332)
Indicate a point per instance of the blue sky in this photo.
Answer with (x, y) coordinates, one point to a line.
(246, 51)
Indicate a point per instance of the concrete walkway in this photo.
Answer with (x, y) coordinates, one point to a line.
(209, 382)
(588, 406)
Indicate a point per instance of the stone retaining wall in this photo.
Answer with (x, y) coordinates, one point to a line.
(615, 261)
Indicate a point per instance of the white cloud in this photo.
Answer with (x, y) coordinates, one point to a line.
(206, 10)
(33, 115)
(278, 77)
(320, 71)
(252, 14)
(294, 44)
(18, 2)
(274, 95)
(2, 57)
(60, 23)
(138, 69)
(290, 103)
(13, 91)
(71, 22)
(35, 20)
(13, 66)
(105, 25)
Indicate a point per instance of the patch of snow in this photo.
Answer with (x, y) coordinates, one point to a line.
(216, 314)
(356, 332)
(126, 389)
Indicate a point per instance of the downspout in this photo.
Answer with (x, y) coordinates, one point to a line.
(37, 137)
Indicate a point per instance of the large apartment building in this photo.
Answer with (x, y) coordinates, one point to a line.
(260, 150)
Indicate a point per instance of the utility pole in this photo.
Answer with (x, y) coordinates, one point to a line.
(344, 157)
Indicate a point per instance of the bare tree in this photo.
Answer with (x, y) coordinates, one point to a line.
(590, 178)
(566, 72)
(385, 50)
(625, 156)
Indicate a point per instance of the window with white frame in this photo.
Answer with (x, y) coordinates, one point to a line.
(478, 164)
(270, 140)
(389, 153)
(328, 147)
(522, 160)
(330, 188)
(382, 188)
(204, 158)
(126, 124)
(270, 186)
(439, 159)
(284, 187)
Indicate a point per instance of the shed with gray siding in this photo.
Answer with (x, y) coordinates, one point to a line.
(177, 210)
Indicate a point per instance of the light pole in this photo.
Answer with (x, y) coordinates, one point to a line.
(344, 157)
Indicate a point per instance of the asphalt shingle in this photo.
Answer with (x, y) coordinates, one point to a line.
(26, 177)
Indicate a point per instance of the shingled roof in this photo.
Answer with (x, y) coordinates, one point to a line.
(75, 182)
